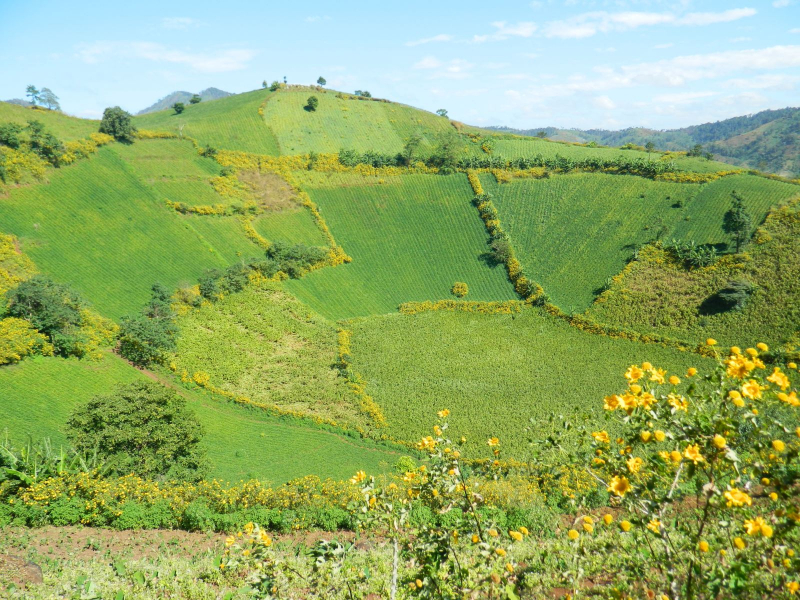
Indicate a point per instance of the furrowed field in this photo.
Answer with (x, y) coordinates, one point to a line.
(410, 239)
(572, 232)
(494, 373)
(62, 126)
(347, 123)
(242, 443)
(100, 226)
(231, 123)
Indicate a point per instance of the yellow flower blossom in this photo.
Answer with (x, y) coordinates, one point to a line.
(792, 365)
(493, 441)
(358, 477)
(645, 436)
(762, 346)
(611, 402)
(633, 373)
(619, 486)
(674, 380)
(588, 528)
(753, 526)
(751, 389)
(660, 435)
(500, 552)
(778, 445)
(443, 413)
(437, 430)
(703, 546)
(625, 525)
(523, 530)
(646, 366)
(676, 456)
(790, 399)
(608, 519)
(736, 497)
(779, 378)
(634, 464)
(691, 372)
(720, 442)
(678, 402)
(752, 352)
(573, 534)
(654, 525)
(792, 587)
(515, 535)
(493, 532)
(658, 375)
(739, 366)
(739, 543)
(601, 436)
(230, 541)
(711, 342)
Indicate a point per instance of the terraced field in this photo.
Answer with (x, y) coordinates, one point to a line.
(572, 232)
(99, 226)
(347, 123)
(410, 239)
(241, 443)
(496, 374)
(230, 123)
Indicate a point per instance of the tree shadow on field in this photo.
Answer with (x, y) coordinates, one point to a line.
(489, 259)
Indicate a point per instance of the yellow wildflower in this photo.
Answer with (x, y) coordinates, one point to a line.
(678, 402)
(608, 519)
(230, 541)
(675, 456)
(691, 372)
(523, 530)
(437, 430)
(515, 535)
(753, 526)
(720, 442)
(625, 525)
(588, 528)
(645, 436)
(792, 586)
(634, 464)
(790, 399)
(601, 436)
(660, 435)
(751, 389)
(500, 552)
(493, 532)
(739, 543)
(762, 346)
(475, 538)
(633, 373)
(779, 378)
(619, 485)
(736, 497)
(658, 375)
(654, 526)
(778, 445)
(711, 342)
(358, 477)
(573, 534)
(792, 365)
(703, 546)
(443, 413)
(674, 380)
(493, 441)
(646, 366)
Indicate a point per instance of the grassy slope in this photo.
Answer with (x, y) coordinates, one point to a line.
(294, 225)
(241, 443)
(656, 294)
(64, 127)
(231, 123)
(343, 123)
(264, 344)
(494, 373)
(410, 239)
(99, 226)
(574, 231)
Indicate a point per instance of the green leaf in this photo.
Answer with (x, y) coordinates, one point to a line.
(138, 578)
(120, 595)
(120, 568)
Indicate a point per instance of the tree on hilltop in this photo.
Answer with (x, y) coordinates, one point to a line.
(196, 99)
(442, 112)
(312, 103)
(49, 99)
(32, 93)
(275, 86)
(321, 81)
(117, 123)
(178, 107)
(737, 222)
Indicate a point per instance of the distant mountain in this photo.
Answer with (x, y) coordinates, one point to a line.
(768, 140)
(163, 104)
(19, 101)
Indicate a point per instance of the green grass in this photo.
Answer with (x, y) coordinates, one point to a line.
(656, 294)
(294, 225)
(497, 374)
(410, 239)
(64, 127)
(346, 123)
(230, 123)
(528, 147)
(572, 232)
(37, 396)
(100, 227)
(264, 344)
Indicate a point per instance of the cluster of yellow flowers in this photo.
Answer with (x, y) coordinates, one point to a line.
(690, 177)
(15, 267)
(18, 339)
(487, 308)
(17, 163)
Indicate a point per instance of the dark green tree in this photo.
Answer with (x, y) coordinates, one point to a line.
(142, 428)
(321, 81)
(366, 94)
(178, 107)
(44, 143)
(52, 308)
(117, 122)
(737, 222)
(410, 148)
(650, 147)
(445, 156)
(442, 112)
(49, 99)
(150, 336)
(541, 134)
(196, 99)
(312, 103)
(264, 84)
(32, 93)
(9, 135)
(274, 86)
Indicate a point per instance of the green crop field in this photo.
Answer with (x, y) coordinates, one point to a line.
(64, 127)
(264, 344)
(241, 443)
(230, 123)
(101, 228)
(294, 225)
(347, 123)
(410, 239)
(493, 372)
(572, 232)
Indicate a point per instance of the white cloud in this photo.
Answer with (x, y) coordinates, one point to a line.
(218, 62)
(591, 23)
(504, 30)
(795, 30)
(781, 3)
(770, 81)
(682, 98)
(429, 62)
(604, 102)
(442, 37)
(178, 23)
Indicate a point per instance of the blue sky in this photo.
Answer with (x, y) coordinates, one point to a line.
(568, 63)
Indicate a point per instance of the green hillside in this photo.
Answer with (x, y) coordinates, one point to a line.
(231, 123)
(62, 126)
(410, 239)
(572, 232)
(99, 225)
(241, 443)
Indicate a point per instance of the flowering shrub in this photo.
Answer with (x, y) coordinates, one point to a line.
(486, 308)
(15, 164)
(356, 382)
(18, 339)
(707, 469)
(459, 289)
(15, 266)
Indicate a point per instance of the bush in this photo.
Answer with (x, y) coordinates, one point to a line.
(9, 135)
(312, 103)
(178, 107)
(147, 338)
(735, 294)
(459, 289)
(117, 123)
(142, 428)
(45, 144)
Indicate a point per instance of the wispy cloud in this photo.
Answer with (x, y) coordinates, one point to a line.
(781, 3)
(770, 81)
(218, 62)
(603, 102)
(682, 97)
(504, 30)
(442, 37)
(591, 23)
(179, 23)
(452, 69)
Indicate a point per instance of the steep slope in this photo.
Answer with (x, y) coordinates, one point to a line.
(166, 102)
(64, 127)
